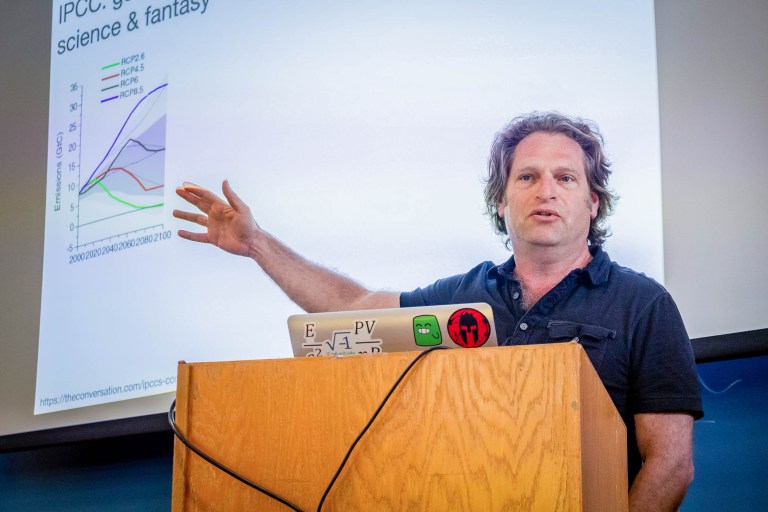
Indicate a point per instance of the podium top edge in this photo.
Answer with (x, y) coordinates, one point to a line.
(569, 346)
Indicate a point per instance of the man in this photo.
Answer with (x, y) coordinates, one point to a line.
(547, 191)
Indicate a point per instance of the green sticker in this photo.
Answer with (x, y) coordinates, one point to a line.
(426, 331)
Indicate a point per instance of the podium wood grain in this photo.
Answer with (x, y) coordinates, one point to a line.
(507, 428)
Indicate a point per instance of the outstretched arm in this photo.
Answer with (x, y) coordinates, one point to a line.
(666, 446)
(231, 227)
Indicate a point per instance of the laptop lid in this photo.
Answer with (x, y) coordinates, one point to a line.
(392, 330)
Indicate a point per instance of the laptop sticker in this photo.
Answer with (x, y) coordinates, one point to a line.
(469, 328)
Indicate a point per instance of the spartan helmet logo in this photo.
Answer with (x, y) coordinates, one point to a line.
(469, 328)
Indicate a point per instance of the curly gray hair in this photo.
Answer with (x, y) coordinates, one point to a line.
(584, 132)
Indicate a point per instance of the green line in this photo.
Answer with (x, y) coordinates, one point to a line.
(111, 65)
(126, 202)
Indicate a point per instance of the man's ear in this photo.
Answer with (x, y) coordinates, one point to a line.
(594, 203)
(500, 208)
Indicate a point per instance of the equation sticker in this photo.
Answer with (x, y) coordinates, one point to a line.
(342, 342)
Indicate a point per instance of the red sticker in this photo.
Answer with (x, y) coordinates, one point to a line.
(469, 328)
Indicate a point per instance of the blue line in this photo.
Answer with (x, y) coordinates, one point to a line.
(119, 133)
(704, 385)
(109, 99)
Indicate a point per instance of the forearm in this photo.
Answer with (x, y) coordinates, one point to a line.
(665, 441)
(311, 286)
(660, 485)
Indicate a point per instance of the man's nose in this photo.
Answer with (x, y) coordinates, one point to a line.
(546, 189)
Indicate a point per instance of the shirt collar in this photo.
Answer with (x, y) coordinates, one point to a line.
(596, 271)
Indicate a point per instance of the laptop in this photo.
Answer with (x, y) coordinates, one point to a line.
(377, 331)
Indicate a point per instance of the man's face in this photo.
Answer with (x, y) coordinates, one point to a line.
(547, 201)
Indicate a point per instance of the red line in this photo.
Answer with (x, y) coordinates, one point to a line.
(108, 77)
(104, 174)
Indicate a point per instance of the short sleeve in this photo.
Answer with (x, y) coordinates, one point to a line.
(663, 369)
(474, 286)
(438, 293)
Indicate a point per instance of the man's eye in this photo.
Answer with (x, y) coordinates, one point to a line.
(567, 179)
(525, 177)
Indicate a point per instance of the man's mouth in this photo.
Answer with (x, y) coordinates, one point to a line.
(545, 213)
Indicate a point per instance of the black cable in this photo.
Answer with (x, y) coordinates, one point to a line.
(373, 418)
(249, 483)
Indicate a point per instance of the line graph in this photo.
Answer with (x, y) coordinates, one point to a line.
(123, 193)
(99, 178)
(138, 207)
(133, 119)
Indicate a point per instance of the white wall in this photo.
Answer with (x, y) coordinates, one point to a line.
(713, 94)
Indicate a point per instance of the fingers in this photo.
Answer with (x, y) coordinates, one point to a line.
(191, 217)
(197, 219)
(234, 200)
(195, 237)
(193, 199)
(201, 192)
(198, 196)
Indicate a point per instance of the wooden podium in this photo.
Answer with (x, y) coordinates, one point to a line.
(503, 428)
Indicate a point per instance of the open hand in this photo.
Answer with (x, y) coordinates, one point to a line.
(229, 225)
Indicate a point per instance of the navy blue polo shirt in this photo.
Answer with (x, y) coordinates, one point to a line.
(627, 323)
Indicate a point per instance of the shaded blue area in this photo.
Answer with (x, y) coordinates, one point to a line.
(124, 474)
(731, 441)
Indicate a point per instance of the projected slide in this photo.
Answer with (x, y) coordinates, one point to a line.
(357, 132)
(107, 183)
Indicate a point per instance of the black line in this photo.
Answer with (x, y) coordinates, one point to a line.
(234, 474)
(145, 148)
